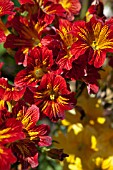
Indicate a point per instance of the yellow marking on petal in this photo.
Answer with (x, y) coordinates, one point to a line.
(25, 50)
(65, 3)
(46, 10)
(9, 106)
(1, 8)
(69, 55)
(3, 134)
(3, 26)
(88, 16)
(56, 88)
(26, 121)
(20, 115)
(46, 103)
(84, 33)
(33, 135)
(2, 102)
(62, 100)
(55, 108)
(8, 89)
(4, 131)
(38, 28)
(1, 151)
(68, 39)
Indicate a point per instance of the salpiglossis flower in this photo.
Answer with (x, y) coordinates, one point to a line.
(10, 131)
(27, 32)
(9, 92)
(6, 7)
(71, 7)
(96, 8)
(6, 158)
(51, 8)
(65, 57)
(36, 135)
(53, 97)
(95, 37)
(39, 62)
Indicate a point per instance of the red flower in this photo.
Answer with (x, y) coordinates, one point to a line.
(65, 58)
(39, 133)
(95, 37)
(72, 7)
(96, 8)
(33, 161)
(36, 135)
(6, 7)
(91, 79)
(6, 158)
(29, 34)
(10, 131)
(39, 62)
(3, 32)
(25, 150)
(51, 8)
(78, 69)
(8, 92)
(53, 97)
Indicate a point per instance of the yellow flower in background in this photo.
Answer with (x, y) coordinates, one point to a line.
(79, 147)
(105, 142)
(104, 164)
(89, 105)
(76, 165)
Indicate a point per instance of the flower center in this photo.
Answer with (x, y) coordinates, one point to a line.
(39, 72)
(0, 10)
(94, 45)
(52, 96)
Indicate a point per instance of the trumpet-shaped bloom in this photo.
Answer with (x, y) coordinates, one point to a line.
(6, 7)
(36, 135)
(95, 37)
(71, 7)
(39, 62)
(10, 131)
(9, 92)
(28, 33)
(53, 97)
(6, 158)
(65, 57)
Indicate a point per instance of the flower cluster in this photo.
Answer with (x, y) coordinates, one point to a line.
(51, 49)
